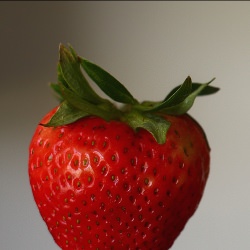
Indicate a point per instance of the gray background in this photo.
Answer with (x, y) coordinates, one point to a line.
(150, 47)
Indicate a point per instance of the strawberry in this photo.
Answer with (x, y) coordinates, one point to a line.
(107, 178)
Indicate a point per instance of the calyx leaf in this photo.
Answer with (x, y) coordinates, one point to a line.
(79, 100)
(207, 91)
(69, 68)
(65, 114)
(108, 84)
(177, 97)
(183, 100)
(154, 124)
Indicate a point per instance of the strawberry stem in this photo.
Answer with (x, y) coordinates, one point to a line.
(79, 100)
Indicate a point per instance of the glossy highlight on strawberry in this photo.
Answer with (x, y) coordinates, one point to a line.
(109, 178)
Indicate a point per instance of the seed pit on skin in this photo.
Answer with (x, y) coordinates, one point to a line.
(104, 144)
(62, 181)
(75, 163)
(131, 217)
(155, 171)
(149, 154)
(146, 199)
(186, 152)
(113, 157)
(35, 187)
(135, 177)
(126, 186)
(160, 204)
(69, 156)
(132, 198)
(156, 191)
(85, 162)
(109, 193)
(40, 142)
(146, 181)
(55, 188)
(177, 133)
(162, 157)
(169, 194)
(125, 150)
(151, 210)
(113, 178)
(123, 170)
(61, 135)
(159, 217)
(181, 187)
(147, 225)
(90, 180)
(156, 230)
(139, 190)
(132, 161)
(70, 195)
(55, 171)
(50, 157)
(102, 206)
(181, 165)
(170, 160)
(92, 197)
(101, 185)
(96, 159)
(104, 170)
(175, 180)
(77, 183)
(46, 178)
(118, 198)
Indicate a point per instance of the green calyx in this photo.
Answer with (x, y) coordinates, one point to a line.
(78, 99)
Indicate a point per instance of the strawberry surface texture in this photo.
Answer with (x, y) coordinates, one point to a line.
(109, 178)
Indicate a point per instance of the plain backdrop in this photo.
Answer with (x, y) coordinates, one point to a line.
(150, 47)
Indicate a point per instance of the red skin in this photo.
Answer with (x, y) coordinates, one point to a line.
(100, 185)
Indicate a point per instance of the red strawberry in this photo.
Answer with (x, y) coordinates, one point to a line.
(105, 178)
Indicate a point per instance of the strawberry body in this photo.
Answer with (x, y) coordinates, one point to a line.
(100, 185)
